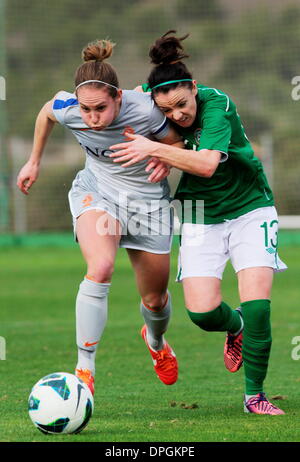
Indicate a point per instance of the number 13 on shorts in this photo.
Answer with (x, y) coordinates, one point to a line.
(270, 235)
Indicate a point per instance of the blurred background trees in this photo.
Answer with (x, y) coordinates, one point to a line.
(248, 49)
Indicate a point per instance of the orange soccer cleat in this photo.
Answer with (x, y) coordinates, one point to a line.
(86, 376)
(165, 362)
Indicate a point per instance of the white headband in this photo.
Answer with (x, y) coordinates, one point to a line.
(95, 81)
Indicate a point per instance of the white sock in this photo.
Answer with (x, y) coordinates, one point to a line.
(86, 360)
(91, 318)
(247, 397)
(242, 323)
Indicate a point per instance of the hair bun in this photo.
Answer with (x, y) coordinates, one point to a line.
(168, 49)
(98, 50)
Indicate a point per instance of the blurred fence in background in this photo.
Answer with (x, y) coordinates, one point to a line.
(248, 49)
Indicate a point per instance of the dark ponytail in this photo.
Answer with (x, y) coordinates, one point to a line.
(167, 54)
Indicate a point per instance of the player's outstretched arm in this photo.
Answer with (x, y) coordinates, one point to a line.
(43, 127)
(160, 169)
(202, 163)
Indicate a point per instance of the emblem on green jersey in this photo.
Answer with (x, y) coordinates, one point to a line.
(197, 135)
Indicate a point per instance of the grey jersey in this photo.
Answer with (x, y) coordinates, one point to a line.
(138, 114)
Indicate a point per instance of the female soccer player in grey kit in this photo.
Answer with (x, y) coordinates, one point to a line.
(109, 204)
(240, 220)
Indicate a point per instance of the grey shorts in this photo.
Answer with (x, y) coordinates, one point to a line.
(146, 224)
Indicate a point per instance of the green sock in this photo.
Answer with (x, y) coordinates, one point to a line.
(221, 319)
(257, 342)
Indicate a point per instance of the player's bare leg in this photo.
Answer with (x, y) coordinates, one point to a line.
(202, 294)
(152, 275)
(255, 283)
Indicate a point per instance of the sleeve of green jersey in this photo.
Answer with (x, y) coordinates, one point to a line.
(146, 88)
(216, 130)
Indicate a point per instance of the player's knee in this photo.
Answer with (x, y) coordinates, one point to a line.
(155, 301)
(256, 315)
(204, 304)
(101, 271)
(203, 320)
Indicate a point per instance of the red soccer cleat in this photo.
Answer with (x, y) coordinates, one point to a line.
(233, 352)
(233, 359)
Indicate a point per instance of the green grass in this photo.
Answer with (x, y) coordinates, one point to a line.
(38, 290)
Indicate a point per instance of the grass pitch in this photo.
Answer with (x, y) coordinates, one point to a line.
(38, 290)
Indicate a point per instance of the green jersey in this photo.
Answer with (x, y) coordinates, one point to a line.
(239, 184)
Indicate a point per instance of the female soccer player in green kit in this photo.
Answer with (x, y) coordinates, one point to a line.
(239, 223)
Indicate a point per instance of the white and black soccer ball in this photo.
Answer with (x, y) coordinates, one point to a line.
(60, 403)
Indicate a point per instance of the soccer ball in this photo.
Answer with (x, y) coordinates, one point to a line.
(60, 403)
